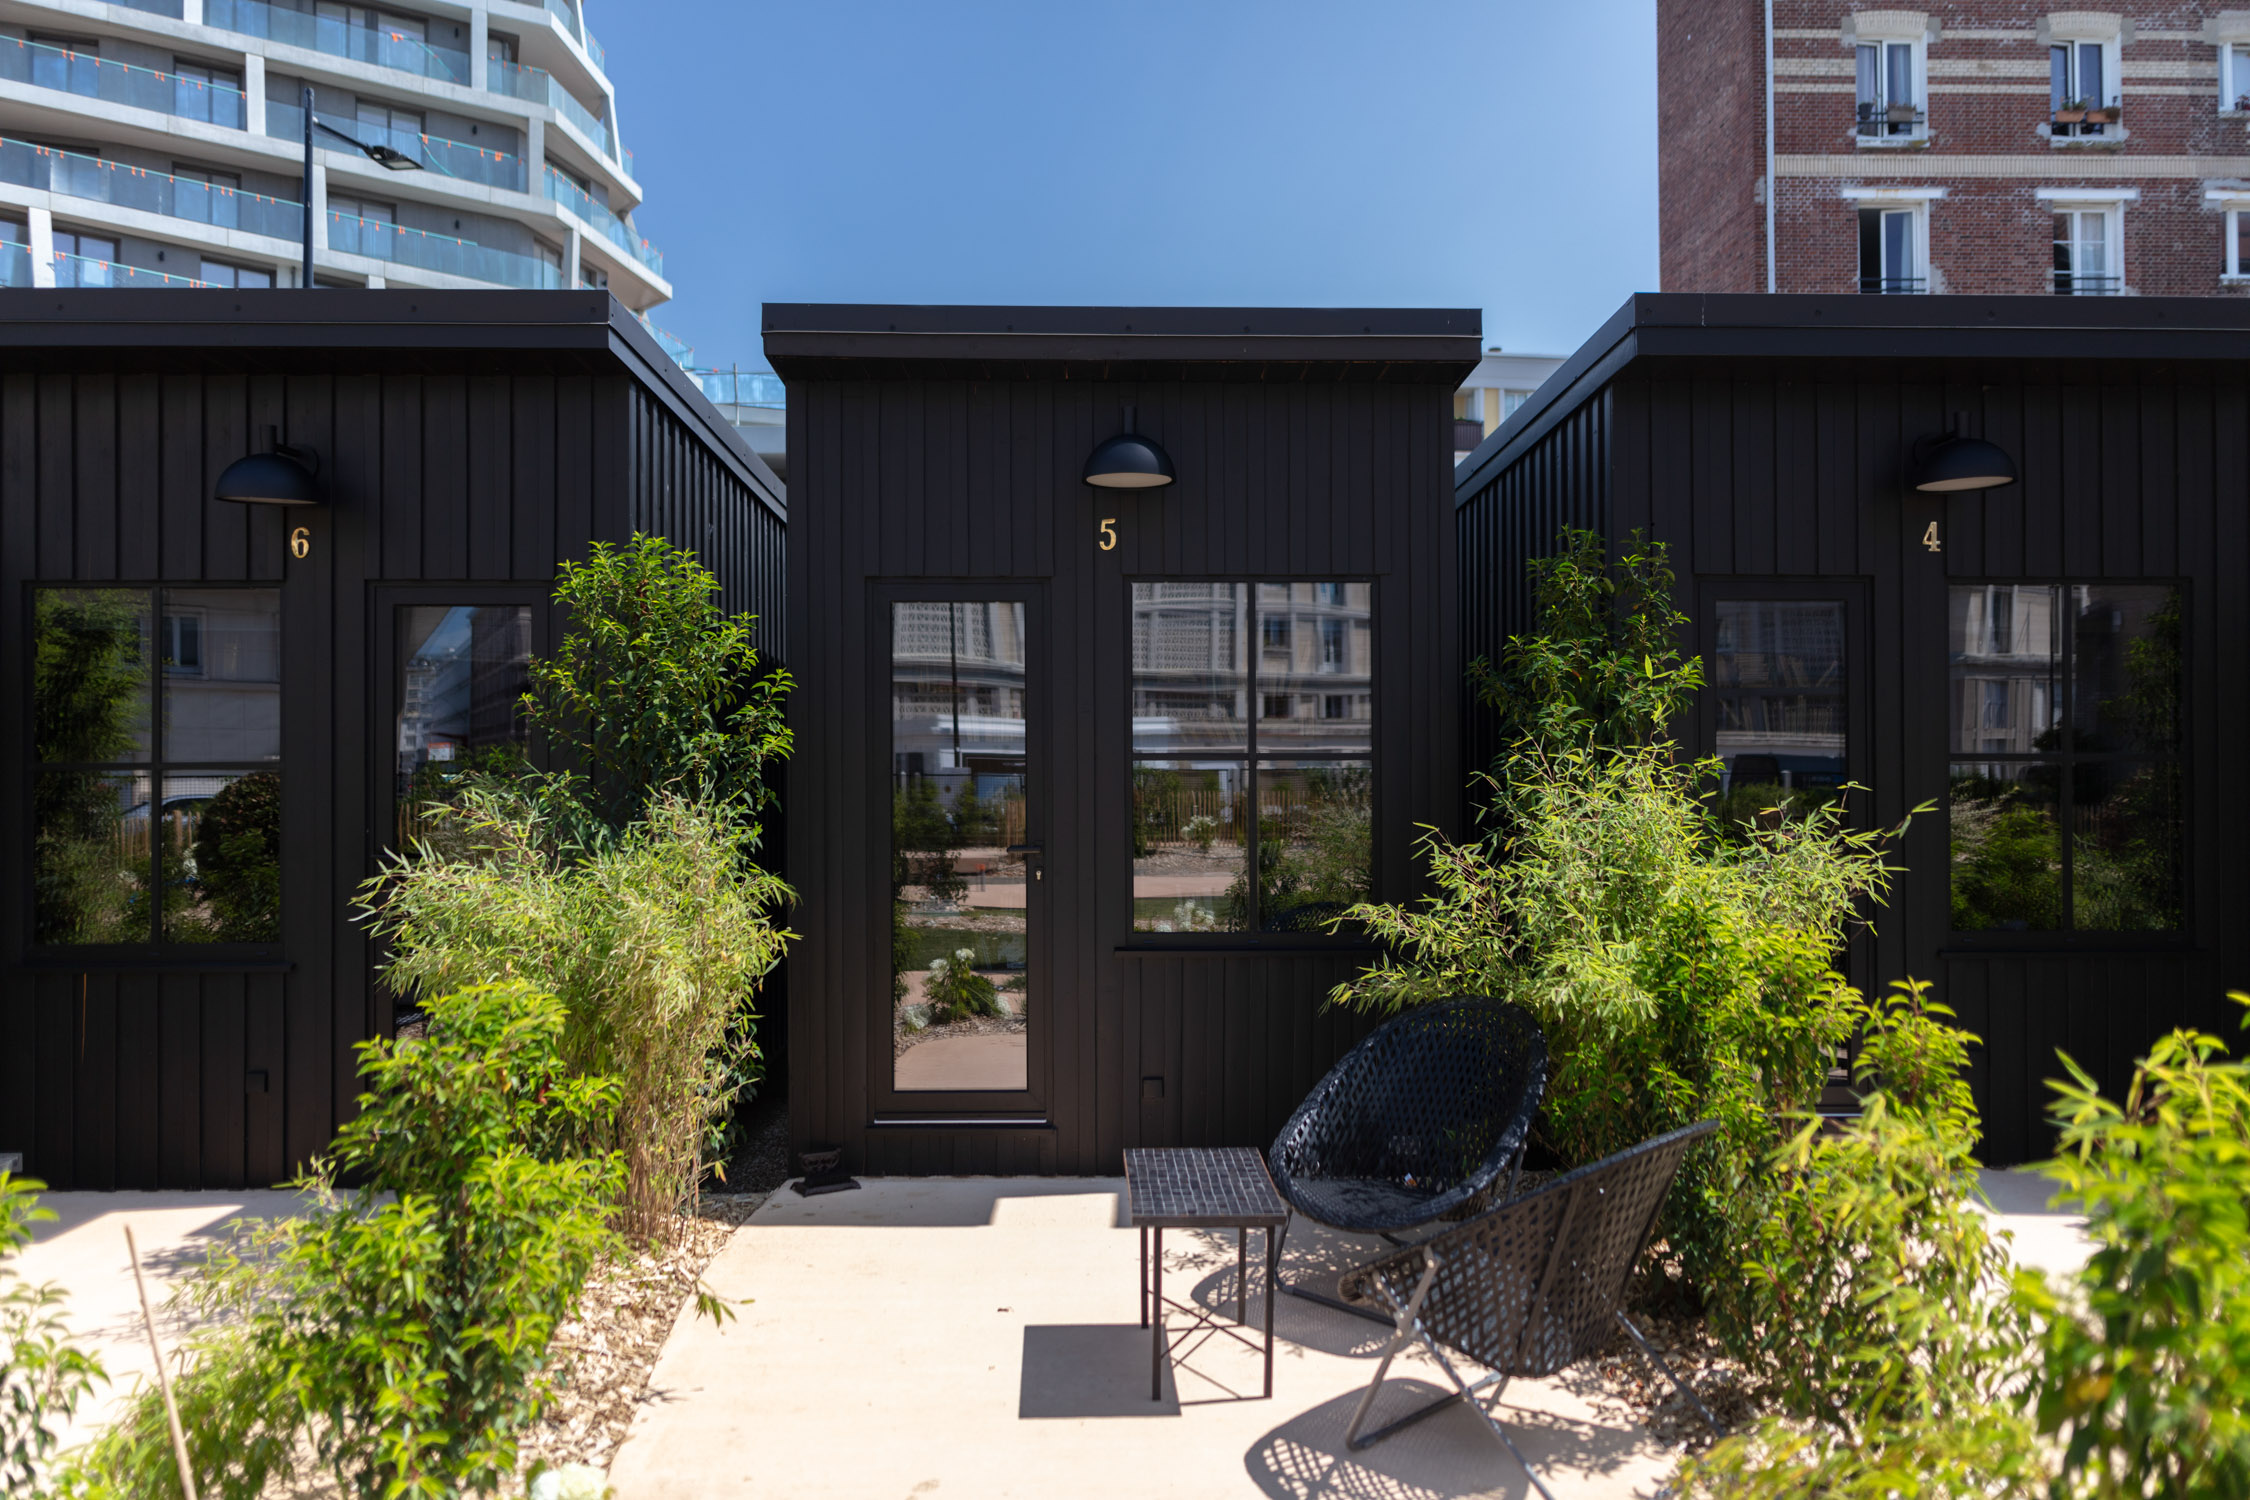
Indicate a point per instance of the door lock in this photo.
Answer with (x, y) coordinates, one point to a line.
(1031, 856)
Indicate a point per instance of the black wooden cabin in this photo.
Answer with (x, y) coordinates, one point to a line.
(1081, 769)
(2057, 665)
(175, 1012)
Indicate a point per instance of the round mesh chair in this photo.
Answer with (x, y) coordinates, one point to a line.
(1527, 1288)
(1427, 1117)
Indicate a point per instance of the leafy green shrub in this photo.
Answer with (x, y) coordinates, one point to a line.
(394, 1339)
(656, 941)
(1681, 969)
(2145, 1372)
(42, 1376)
(655, 689)
(957, 992)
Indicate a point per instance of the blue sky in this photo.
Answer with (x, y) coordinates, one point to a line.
(1486, 153)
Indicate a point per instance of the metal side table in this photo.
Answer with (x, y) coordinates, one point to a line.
(1196, 1187)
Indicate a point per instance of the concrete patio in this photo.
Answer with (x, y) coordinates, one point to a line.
(979, 1337)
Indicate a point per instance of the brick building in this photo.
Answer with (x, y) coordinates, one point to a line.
(1988, 146)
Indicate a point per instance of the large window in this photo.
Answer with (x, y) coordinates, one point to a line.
(156, 801)
(2064, 727)
(1892, 239)
(1778, 683)
(1889, 89)
(2082, 88)
(1253, 741)
(2087, 250)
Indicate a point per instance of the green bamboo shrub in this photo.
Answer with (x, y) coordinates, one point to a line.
(43, 1376)
(2145, 1363)
(394, 1340)
(655, 940)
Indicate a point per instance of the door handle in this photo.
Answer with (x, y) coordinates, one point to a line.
(1032, 853)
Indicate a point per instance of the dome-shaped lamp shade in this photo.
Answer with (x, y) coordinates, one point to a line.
(282, 477)
(1964, 463)
(1128, 461)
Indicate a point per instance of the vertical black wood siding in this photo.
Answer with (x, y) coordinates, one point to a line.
(957, 480)
(230, 1075)
(2130, 469)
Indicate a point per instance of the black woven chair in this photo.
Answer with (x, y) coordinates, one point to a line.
(1527, 1288)
(1426, 1117)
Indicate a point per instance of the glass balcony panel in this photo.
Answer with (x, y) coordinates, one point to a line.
(349, 234)
(15, 264)
(79, 270)
(380, 45)
(537, 86)
(101, 181)
(563, 13)
(596, 51)
(172, 8)
(91, 77)
(742, 388)
(617, 231)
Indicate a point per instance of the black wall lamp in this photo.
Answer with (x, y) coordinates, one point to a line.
(281, 476)
(1128, 461)
(1957, 461)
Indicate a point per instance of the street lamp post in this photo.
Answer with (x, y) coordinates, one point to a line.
(390, 158)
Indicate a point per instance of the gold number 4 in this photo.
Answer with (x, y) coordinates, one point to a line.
(300, 541)
(1929, 539)
(1107, 530)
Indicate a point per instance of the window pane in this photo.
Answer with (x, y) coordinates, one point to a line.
(2058, 77)
(1316, 684)
(90, 858)
(2090, 74)
(2125, 847)
(2005, 657)
(961, 998)
(1898, 251)
(2125, 668)
(1315, 842)
(1190, 856)
(221, 651)
(1778, 677)
(1900, 56)
(461, 686)
(2241, 222)
(1191, 685)
(89, 689)
(2007, 850)
(219, 857)
(1867, 64)
(2240, 83)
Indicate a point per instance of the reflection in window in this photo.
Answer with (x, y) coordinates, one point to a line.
(961, 975)
(1242, 823)
(464, 670)
(2064, 714)
(1778, 676)
(176, 841)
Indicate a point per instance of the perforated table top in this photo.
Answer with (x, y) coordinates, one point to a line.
(1201, 1187)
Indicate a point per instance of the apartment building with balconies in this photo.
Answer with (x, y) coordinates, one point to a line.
(1989, 146)
(458, 143)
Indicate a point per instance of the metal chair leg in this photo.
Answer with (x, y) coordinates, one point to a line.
(1283, 1284)
(1656, 1359)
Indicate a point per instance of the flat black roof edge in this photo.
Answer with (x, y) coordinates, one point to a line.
(1143, 322)
(1846, 326)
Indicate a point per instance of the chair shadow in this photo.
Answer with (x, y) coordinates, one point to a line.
(1312, 1257)
(1448, 1455)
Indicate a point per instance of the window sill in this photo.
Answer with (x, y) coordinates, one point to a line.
(1893, 142)
(107, 963)
(2113, 142)
(2065, 945)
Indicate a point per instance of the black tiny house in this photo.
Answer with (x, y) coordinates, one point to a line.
(1081, 768)
(2055, 665)
(176, 1008)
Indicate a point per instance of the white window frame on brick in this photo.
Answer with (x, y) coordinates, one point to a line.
(2234, 209)
(1879, 32)
(2234, 73)
(2108, 202)
(2075, 30)
(1913, 201)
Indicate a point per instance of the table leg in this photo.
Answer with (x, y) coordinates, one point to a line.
(1272, 1256)
(1156, 1321)
(1241, 1274)
(1142, 1288)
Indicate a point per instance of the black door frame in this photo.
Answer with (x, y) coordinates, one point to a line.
(891, 1106)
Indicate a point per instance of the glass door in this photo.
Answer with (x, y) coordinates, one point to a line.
(966, 879)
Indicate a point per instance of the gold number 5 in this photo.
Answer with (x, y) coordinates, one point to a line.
(300, 541)
(1108, 532)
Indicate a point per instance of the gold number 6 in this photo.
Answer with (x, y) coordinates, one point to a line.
(300, 541)
(1108, 532)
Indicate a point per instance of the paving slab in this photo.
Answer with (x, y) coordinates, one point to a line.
(980, 1337)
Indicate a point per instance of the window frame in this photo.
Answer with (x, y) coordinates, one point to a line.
(156, 952)
(2113, 84)
(2066, 757)
(1870, 132)
(2234, 212)
(2112, 209)
(2234, 75)
(1135, 940)
(1918, 210)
